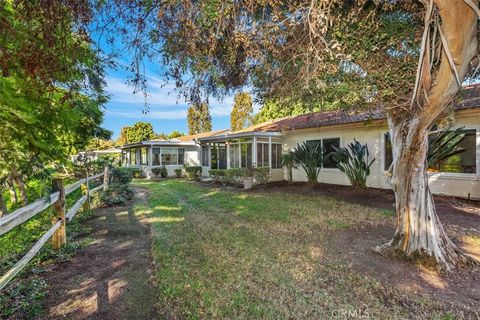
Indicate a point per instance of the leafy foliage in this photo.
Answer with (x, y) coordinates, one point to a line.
(353, 162)
(309, 156)
(140, 131)
(199, 119)
(288, 161)
(117, 194)
(121, 175)
(193, 172)
(241, 115)
(178, 172)
(443, 145)
(160, 171)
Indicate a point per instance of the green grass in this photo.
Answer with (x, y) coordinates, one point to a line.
(237, 255)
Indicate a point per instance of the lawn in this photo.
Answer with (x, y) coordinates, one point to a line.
(223, 254)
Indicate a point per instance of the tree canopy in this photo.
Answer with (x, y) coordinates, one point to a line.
(140, 131)
(198, 118)
(242, 111)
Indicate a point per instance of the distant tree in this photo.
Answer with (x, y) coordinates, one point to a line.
(241, 115)
(199, 119)
(175, 134)
(140, 131)
(99, 144)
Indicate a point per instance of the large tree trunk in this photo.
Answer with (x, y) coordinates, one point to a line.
(13, 192)
(419, 233)
(3, 206)
(17, 179)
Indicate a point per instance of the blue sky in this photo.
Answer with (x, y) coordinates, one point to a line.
(167, 111)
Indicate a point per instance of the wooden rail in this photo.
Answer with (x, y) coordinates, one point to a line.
(58, 229)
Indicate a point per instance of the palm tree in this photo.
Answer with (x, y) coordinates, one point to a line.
(288, 161)
(309, 156)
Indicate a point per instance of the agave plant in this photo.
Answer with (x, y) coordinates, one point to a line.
(353, 161)
(444, 144)
(309, 156)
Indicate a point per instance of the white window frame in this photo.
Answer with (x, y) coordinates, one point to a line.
(335, 170)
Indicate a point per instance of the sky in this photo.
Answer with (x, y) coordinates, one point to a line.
(167, 111)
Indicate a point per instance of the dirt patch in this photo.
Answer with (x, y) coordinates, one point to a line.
(110, 278)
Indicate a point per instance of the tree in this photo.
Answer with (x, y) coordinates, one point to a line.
(241, 115)
(175, 134)
(297, 49)
(140, 131)
(199, 119)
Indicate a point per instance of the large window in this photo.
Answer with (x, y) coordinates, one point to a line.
(181, 156)
(218, 155)
(276, 156)
(463, 162)
(172, 156)
(328, 146)
(205, 156)
(156, 156)
(262, 154)
(133, 157)
(240, 154)
(143, 156)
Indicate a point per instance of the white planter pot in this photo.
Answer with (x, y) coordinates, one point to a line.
(248, 183)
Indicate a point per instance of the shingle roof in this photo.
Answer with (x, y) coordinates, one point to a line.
(470, 98)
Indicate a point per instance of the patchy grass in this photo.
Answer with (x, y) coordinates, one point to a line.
(242, 255)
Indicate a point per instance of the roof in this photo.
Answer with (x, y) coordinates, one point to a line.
(469, 96)
(202, 135)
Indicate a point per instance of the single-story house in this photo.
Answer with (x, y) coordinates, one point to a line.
(172, 153)
(263, 145)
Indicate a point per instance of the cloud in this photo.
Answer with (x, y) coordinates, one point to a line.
(162, 99)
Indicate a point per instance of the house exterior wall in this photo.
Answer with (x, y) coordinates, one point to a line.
(453, 184)
(192, 157)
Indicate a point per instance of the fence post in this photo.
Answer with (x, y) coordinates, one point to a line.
(106, 178)
(86, 191)
(59, 238)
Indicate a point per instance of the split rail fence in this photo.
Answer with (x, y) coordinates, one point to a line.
(59, 224)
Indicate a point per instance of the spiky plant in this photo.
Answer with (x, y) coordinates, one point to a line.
(288, 161)
(309, 156)
(353, 161)
(444, 144)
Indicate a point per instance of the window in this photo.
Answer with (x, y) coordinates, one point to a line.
(388, 156)
(262, 155)
(124, 157)
(276, 156)
(463, 162)
(133, 157)
(181, 156)
(327, 146)
(168, 156)
(143, 156)
(156, 156)
(205, 156)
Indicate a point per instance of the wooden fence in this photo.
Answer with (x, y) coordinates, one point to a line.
(58, 229)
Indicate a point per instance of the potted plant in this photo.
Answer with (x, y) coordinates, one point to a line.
(247, 175)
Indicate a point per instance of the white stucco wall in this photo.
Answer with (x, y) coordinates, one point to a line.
(455, 184)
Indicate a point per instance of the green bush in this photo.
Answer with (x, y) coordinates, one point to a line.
(117, 194)
(193, 172)
(262, 175)
(160, 171)
(121, 175)
(218, 175)
(178, 172)
(234, 175)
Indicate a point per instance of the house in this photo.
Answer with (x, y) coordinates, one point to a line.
(96, 154)
(264, 144)
(172, 154)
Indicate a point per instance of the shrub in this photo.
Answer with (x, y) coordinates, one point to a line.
(353, 161)
(193, 172)
(288, 161)
(121, 175)
(218, 175)
(234, 175)
(309, 156)
(262, 175)
(178, 172)
(160, 171)
(117, 194)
